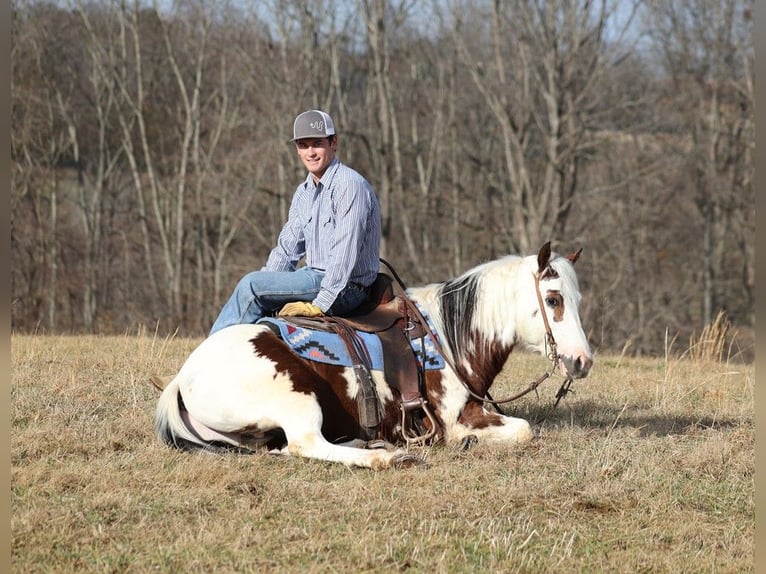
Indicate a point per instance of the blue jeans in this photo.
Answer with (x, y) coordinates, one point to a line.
(262, 293)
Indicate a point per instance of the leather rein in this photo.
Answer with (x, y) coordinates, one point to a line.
(550, 342)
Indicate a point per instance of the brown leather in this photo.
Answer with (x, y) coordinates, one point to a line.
(381, 291)
(399, 363)
(386, 315)
(379, 319)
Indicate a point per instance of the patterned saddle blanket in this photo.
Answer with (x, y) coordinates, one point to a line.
(328, 347)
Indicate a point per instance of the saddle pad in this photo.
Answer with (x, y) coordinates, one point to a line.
(433, 359)
(328, 347)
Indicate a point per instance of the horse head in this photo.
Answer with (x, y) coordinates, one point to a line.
(548, 312)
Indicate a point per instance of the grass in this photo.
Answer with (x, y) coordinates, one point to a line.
(714, 342)
(648, 467)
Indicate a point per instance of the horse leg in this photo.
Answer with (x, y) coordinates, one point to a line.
(476, 420)
(303, 427)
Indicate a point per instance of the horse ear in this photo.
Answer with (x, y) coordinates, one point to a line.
(543, 256)
(574, 256)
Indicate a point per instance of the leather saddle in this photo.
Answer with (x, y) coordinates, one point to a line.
(386, 314)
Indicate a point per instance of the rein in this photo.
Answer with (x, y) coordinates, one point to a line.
(551, 355)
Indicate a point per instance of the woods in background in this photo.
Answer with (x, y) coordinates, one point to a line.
(151, 165)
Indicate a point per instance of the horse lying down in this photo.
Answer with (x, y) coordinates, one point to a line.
(246, 388)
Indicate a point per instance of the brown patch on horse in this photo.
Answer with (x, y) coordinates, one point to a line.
(475, 416)
(340, 419)
(548, 273)
(488, 359)
(558, 309)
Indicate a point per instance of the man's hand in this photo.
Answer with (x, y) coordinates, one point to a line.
(300, 308)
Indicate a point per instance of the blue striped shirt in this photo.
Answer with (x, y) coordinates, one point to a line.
(336, 225)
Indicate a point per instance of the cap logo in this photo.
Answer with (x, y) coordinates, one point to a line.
(318, 125)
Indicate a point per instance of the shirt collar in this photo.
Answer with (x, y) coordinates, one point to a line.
(326, 178)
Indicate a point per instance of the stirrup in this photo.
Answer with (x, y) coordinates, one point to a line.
(409, 406)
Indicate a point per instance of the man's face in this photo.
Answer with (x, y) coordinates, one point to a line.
(316, 154)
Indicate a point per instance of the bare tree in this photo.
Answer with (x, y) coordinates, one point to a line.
(382, 17)
(38, 146)
(706, 46)
(540, 76)
(163, 182)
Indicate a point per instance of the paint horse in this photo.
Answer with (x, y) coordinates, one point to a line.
(245, 388)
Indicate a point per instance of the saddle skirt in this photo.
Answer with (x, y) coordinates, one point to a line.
(328, 347)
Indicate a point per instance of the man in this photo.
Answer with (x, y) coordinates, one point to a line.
(334, 224)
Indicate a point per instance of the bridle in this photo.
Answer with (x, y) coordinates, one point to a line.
(550, 342)
(552, 355)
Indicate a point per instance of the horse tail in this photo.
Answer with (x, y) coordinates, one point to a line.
(168, 423)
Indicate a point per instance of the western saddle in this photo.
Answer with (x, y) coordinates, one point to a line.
(393, 317)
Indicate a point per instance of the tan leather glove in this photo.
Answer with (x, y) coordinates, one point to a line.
(300, 308)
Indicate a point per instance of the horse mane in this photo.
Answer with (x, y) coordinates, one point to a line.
(470, 312)
(457, 305)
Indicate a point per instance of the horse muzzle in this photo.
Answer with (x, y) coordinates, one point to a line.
(576, 367)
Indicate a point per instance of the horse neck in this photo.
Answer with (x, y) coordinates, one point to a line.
(476, 349)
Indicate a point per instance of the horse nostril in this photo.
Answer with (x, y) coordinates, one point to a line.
(582, 365)
(577, 367)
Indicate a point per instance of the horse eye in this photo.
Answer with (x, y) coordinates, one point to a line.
(552, 301)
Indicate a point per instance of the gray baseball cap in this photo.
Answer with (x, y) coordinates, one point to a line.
(313, 124)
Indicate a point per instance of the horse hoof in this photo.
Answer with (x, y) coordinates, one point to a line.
(407, 460)
(468, 442)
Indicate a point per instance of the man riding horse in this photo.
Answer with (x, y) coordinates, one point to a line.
(333, 223)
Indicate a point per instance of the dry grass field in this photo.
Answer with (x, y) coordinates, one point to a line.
(648, 467)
